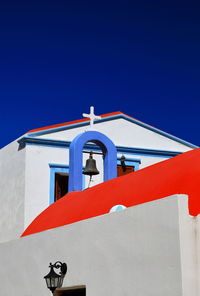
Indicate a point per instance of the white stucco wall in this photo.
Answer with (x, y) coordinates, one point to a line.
(12, 187)
(37, 178)
(132, 252)
(37, 193)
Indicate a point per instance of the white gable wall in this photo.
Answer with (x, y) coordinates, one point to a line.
(123, 133)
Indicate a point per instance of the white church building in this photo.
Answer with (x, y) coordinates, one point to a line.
(145, 250)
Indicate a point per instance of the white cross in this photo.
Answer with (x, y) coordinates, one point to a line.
(91, 116)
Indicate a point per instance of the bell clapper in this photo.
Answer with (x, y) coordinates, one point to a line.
(90, 180)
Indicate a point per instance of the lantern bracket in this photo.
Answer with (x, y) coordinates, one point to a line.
(62, 266)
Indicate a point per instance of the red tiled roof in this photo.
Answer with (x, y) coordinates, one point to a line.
(179, 174)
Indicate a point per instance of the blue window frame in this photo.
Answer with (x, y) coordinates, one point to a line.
(55, 168)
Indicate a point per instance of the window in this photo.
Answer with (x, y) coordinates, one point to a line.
(59, 177)
(126, 165)
(123, 171)
(61, 185)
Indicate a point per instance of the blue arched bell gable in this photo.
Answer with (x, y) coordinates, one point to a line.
(76, 157)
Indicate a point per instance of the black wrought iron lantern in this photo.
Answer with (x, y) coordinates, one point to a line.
(55, 280)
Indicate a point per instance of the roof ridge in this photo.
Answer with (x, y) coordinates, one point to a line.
(73, 122)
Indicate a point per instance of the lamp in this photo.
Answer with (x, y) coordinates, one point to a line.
(53, 279)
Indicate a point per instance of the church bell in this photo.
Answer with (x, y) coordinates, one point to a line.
(90, 168)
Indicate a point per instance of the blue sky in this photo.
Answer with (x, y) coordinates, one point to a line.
(59, 57)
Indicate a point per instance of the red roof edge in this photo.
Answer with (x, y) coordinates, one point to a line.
(72, 122)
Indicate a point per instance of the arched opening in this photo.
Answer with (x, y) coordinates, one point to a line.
(76, 158)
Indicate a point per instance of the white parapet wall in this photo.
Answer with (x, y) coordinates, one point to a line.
(12, 191)
(136, 251)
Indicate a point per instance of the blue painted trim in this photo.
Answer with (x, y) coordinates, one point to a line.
(149, 152)
(130, 159)
(56, 165)
(76, 157)
(58, 168)
(120, 149)
(55, 168)
(43, 142)
(114, 117)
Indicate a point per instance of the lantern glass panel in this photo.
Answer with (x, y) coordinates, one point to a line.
(60, 282)
(48, 282)
(56, 281)
(52, 282)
